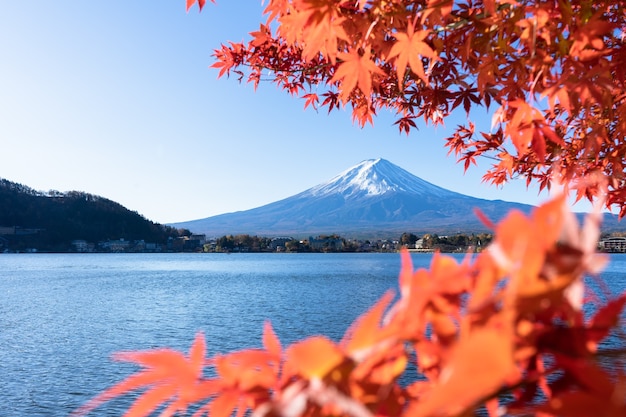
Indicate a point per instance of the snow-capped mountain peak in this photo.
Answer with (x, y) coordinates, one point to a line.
(373, 197)
(375, 177)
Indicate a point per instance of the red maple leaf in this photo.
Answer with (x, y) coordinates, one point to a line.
(355, 70)
(410, 48)
(201, 3)
(168, 375)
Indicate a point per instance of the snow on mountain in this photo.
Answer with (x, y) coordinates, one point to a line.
(375, 177)
(373, 198)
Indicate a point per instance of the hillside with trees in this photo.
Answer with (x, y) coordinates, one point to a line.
(50, 221)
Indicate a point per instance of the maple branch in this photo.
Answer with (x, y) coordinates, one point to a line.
(463, 21)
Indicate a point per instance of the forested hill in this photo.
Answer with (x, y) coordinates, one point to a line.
(50, 221)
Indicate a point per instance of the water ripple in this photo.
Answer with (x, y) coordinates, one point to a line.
(62, 316)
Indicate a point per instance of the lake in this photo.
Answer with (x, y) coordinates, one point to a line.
(63, 315)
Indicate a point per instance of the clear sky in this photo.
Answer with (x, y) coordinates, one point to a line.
(116, 98)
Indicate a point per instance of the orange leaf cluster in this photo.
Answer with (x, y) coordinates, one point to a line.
(554, 69)
(505, 328)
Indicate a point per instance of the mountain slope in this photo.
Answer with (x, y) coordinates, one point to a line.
(372, 198)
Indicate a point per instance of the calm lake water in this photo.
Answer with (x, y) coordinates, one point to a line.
(62, 316)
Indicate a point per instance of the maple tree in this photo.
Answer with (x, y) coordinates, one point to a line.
(506, 327)
(551, 71)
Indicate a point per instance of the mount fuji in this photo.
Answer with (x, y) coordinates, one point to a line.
(374, 198)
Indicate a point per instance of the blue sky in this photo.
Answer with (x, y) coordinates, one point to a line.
(117, 99)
